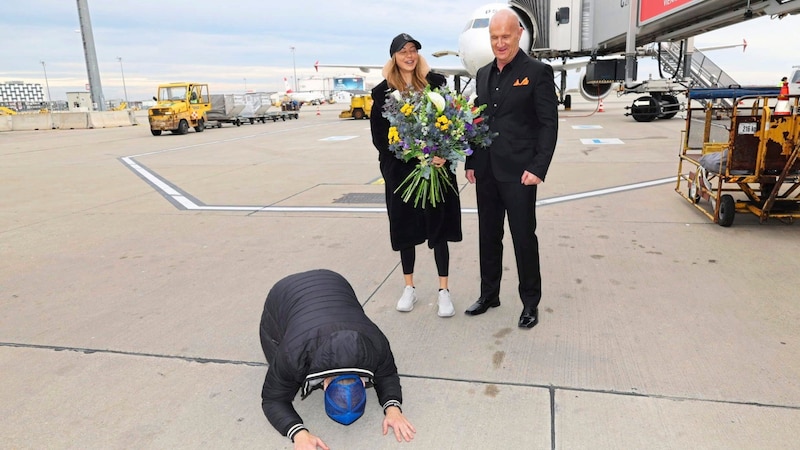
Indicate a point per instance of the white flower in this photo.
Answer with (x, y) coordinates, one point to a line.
(397, 96)
(437, 100)
(471, 99)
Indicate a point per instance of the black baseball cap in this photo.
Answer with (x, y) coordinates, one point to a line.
(400, 41)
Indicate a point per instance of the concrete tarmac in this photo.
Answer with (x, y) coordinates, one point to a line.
(134, 270)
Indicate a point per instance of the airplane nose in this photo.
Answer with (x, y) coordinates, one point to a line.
(475, 50)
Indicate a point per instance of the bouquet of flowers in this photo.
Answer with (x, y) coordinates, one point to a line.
(434, 122)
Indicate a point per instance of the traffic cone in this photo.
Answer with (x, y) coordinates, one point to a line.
(782, 108)
(317, 109)
(600, 106)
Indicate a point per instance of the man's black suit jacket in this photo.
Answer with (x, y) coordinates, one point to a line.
(526, 118)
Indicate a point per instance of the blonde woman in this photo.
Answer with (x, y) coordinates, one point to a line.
(410, 226)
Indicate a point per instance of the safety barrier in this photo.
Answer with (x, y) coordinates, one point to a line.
(5, 123)
(30, 122)
(108, 119)
(71, 121)
(67, 120)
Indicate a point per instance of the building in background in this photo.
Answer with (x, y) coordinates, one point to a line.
(348, 84)
(79, 101)
(22, 96)
(335, 89)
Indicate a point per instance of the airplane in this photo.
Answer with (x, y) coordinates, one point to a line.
(309, 97)
(474, 51)
(679, 24)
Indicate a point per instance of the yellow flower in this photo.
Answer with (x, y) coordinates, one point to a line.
(407, 109)
(394, 136)
(442, 123)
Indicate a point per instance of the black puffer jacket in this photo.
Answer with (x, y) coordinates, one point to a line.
(313, 327)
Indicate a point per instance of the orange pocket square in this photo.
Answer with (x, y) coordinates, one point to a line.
(524, 82)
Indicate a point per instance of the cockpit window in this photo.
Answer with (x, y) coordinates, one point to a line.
(480, 23)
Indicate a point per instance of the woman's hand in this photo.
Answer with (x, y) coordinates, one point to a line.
(438, 161)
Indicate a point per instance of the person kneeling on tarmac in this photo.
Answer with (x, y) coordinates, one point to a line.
(314, 334)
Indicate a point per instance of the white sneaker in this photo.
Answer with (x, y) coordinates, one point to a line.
(407, 300)
(445, 304)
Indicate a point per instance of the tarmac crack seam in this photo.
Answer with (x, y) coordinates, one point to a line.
(550, 387)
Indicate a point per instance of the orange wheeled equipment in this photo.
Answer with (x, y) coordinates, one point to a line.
(739, 156)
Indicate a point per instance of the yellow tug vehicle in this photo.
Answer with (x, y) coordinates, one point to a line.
(179, 106)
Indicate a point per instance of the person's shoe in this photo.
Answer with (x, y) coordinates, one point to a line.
(407, 300)
(529, 317)
(482, 305)
(445, 304)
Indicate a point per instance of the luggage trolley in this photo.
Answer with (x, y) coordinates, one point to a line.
(740, 154)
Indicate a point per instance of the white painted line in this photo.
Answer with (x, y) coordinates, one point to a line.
(338, 138)
(612, 190)
(167, 189)
(188, 204)
(587, 127)
(612, 141)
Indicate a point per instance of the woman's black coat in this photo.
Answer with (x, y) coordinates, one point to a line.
(409, 225)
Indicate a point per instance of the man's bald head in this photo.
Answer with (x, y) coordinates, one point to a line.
(504, 14)
(505, 33)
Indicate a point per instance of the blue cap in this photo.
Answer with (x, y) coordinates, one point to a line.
(345, 399)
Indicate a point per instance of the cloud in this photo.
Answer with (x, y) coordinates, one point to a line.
(225, 43)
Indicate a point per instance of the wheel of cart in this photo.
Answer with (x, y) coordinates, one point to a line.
(740, 159)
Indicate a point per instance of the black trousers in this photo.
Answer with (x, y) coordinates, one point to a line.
(495, 200)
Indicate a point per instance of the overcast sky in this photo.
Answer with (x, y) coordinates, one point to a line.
(245, 44)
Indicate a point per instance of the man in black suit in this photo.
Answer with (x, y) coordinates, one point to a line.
(522, 107)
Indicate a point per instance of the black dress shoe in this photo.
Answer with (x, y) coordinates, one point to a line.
(529, 317)
(482, 305)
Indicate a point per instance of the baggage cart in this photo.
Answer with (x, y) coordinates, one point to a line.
(741, 158)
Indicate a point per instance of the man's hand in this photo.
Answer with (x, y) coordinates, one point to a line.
(530, 179)
(470, 175)
(304, 440)
(401, 426)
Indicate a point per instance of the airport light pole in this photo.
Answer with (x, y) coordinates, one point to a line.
(125, 89)
(47, 83)
(294, 67)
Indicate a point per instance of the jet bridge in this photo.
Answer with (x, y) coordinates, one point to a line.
(562, 29)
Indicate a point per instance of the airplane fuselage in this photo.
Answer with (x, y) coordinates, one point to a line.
(474, 43)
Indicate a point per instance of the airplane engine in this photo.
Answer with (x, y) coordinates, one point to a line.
(594, 92)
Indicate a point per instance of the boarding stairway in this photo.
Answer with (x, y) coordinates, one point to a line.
(703, 72)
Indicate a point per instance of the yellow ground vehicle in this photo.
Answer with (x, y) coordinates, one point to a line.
(741, 155)
(179, 106)
(360, 107)
(6, 111)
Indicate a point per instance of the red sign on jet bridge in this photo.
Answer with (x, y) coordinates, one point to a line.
(650, 10)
